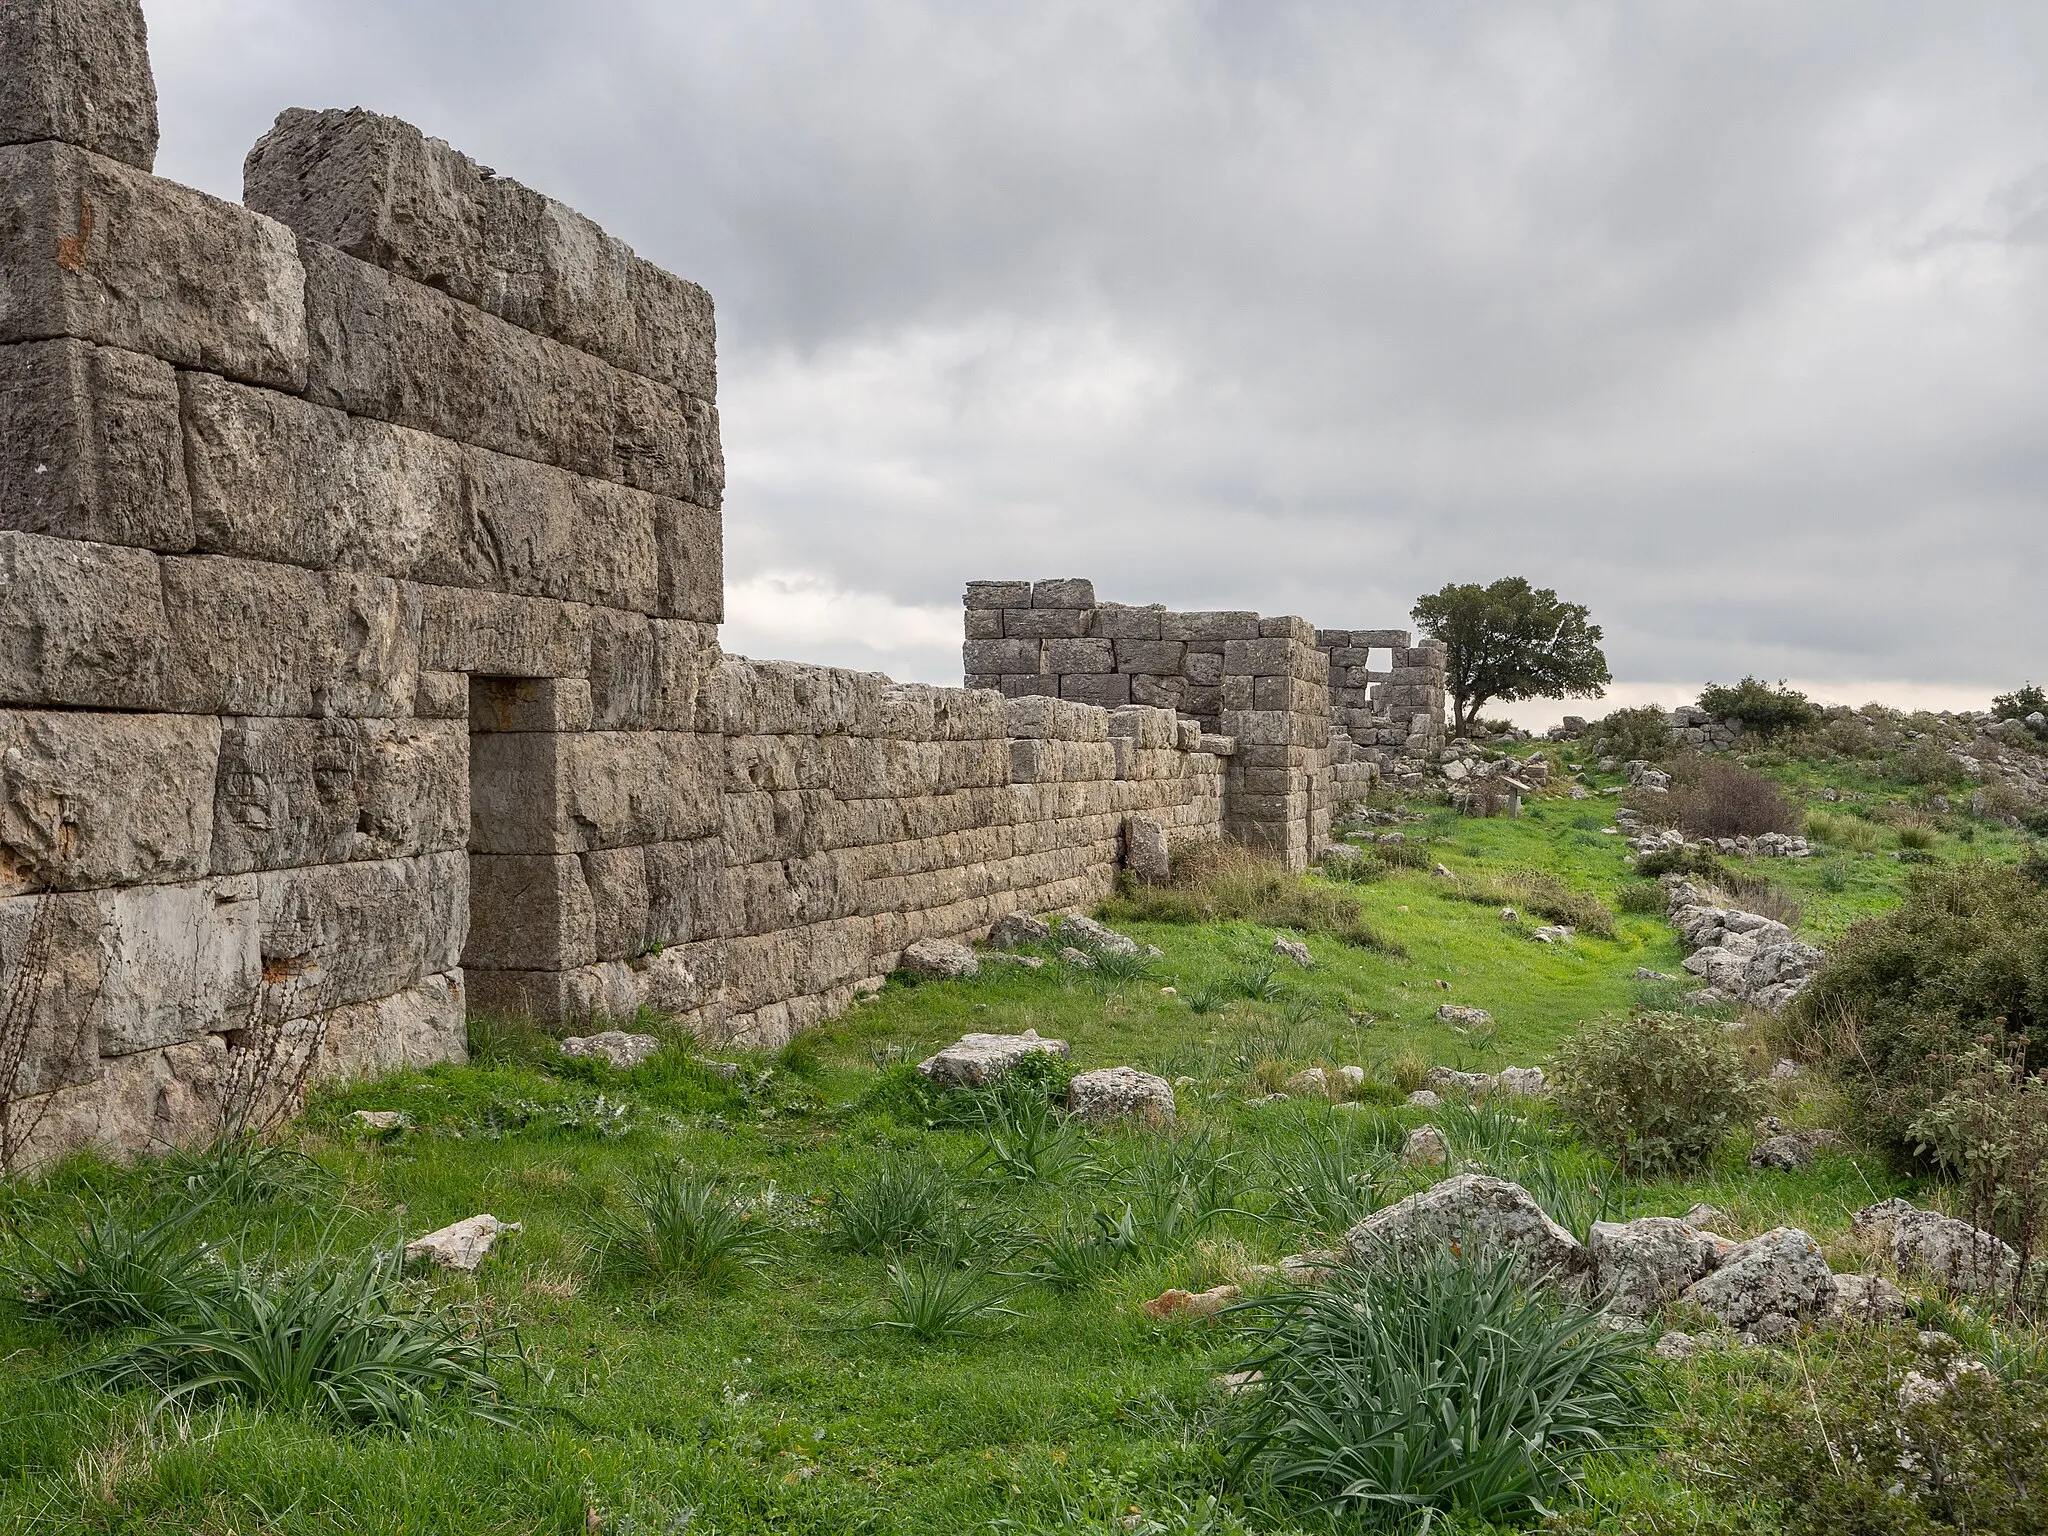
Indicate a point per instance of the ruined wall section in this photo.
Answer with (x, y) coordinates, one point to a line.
(1386, 692)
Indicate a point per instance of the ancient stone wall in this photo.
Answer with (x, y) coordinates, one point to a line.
(1386, 691)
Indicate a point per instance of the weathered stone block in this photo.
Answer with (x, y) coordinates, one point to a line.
(1286, 627)
(81, 625)
(617, 879)
(252, 638)
(181, 961)
(382, 191)
(690, 562)
(686, 891)
(529, 704)
(90, 799)
(983, 623)
(529, 911)
(90, 446)
(1002, 656)
(535, 792)
(998, 594)
(492, 634)
(422, 1026)
(1290, 693)
(348, 933)
(78, 72)
(543, 532)
(329, 791)
(777, 824)
(1160, 692)
(1105, 689)
(146, 1101)
(1209, 626)
(383, 347)
(1064, 592)
(106, 253)
(1118, 621)
(59, 936)
(1017, 687)
(742, 696)
(1162, 658)
(1064, 656)
(1045, 624)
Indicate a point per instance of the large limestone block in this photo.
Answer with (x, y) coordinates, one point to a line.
(382, 191)
(52, 970)
(528, 704)
(1491, 1214)
(774, 763)
(493, 634)
(541, 531)
(778, 894)
(91, 799)
(530, 912)
(77, 71)
(776, 824)
(101, 251)
(90, 446)
(645, 673)
(690, 560)
(617, 881)
(686, 891)
(81, 625)
(384, 347)
(295, 792)
(1049, 719)
(422, 1026)
(251, 638)
(975, 1060)
(744, 697)
(347, 933)
(181, 961)
(146, 1102)
(569, 793)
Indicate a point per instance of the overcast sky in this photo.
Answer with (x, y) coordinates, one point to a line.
(1729, 320)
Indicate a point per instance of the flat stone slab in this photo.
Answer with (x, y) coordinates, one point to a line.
(462, 1244)
(1112, 1093)
(973, 1061)
(622, 1050)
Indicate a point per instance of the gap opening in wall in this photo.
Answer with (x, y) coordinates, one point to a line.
(513, 900)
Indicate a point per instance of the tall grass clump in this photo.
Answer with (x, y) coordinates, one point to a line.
(1224, 882)
(1330, 1178)
(340, 1340)
(934, 1298)
(1542, 894)
(897, 1204)
(1428, 1385)
(676, 1223)
(115, 1274)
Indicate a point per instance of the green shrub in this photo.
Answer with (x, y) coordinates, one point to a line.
(1716, 797)
(1901, 995)
(1629, 734)
(1917, 839)
(1929, 763)
(1640, 896)
(1428, 1384)
(1679, 861)
(1655, 1091)
(897, 1204)
(1761, 708)
(2027, 699)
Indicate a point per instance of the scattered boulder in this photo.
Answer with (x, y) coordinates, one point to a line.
(1425, 1147)
(1792, 1150)
(1704, 1216)
(1742, 955)
(1295, 950)
(1089, 934)
(622, 1050)
(1764, 1287)
(1488, 1213)
(1510, 915)
(1188, 1305)
(1351, 1079)
(1521, 1082)
(973, 1061)
(381, 1121)
(1080, 959)
(1867, 1299)
(1145, 851)
(1017, 929)
(1114, 1093)
(1950, 1252)
(1673, 1345)
(462, 1244)
(1468, 1085)
(1309, 1080)
(1644, 1264)
(1424, 1098)
(1554, 933)
(1460, 1017)
(941, 960)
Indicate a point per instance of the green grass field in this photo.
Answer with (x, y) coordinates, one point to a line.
(772, 1400)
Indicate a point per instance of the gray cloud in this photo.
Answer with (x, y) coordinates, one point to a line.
(1726, 319)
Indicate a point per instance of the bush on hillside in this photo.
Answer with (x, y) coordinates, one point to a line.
(2027, 699)
(1763, 709)
(1927, 762)
(1717, 797)
(1657, 1092)
(1902, 997)
(1630, 734)
(1694, 861)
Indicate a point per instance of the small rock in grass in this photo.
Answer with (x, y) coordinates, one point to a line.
(1706, 1216)
(1078, 958)
(1460, 1017)
(1868, 1299)
(1792, 1150)
(1351, 1078)
(1089, 934)
(1309, 1080)
(1237, 1383)
(462, 1244)
(727, 1070)
(1522, 1082)
(1510, 915)
(1785, 1070)
(1112, 1093)
(941, 960)
(1442, 873)
(1556, 933)
(380, 1119)
(1022, 962)
(1644, 973)
(974, 1061)
(1295, 950)
(1423, 1098)
(1312, 1266)
(1016, 928)
(1451, 1080)
(1188, 1305)
(1425, 1147)
(1673, 1345)
(623, 1051)
(1475, 1209)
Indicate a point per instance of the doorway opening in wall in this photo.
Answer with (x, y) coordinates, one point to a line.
(511, 721)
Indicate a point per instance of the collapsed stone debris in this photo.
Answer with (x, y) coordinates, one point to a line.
(1741, 955)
